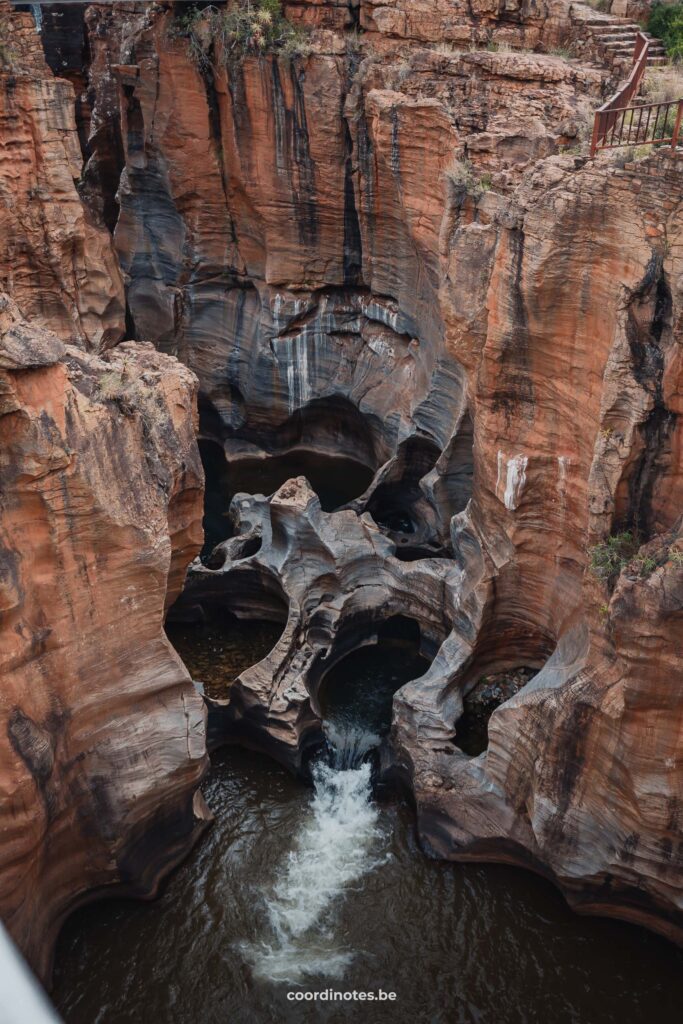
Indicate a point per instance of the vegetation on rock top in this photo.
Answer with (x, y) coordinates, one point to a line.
(666, 23)
(609, 558)
(245, 27)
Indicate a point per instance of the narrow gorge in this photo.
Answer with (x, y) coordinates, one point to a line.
(341, 513)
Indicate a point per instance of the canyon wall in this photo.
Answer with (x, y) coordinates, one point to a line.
(102, 744)
(404, 257)
(389, 261)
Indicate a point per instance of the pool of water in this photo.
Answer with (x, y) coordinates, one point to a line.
(454, 942)
(359, 689)
(217, 651)
(300, 889)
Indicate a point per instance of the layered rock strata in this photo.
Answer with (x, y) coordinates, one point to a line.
(102, 742)
(103, 736)
(389, 263)
(559, 280)
(54, 259)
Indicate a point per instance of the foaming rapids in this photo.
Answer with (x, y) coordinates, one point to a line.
(338, 843)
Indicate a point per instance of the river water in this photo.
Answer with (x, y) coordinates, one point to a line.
(298, 889)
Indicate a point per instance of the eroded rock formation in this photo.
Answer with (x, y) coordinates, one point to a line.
(395, 274)
(102, 744)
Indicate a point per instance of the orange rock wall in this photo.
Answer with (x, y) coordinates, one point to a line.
(102, 744)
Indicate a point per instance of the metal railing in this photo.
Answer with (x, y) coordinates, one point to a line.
(619, 122)
(643, 125)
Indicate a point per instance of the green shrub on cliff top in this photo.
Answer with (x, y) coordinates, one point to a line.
(244, 27)
(666, 23)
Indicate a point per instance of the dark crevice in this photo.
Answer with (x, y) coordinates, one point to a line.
(353, 251)
(645, 337)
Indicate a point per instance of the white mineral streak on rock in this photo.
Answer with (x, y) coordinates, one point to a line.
(563, 463)
(298, 382)
(501, 463)
(516, 479)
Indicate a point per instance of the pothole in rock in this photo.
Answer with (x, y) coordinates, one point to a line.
(217, 651)
(336, 480)
(357, 692)
(488, 693)
(224, 626)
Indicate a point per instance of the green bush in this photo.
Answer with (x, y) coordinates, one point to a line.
(462, 176)
(610, 557)
(245, 27)
(666, 23)
(620, 552)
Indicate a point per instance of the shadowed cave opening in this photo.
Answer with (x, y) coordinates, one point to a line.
(488, 693)
(335, 479)
(393, 504)
(371, 661)
(217, 525)
(329, 442)
(503, 665)
(227, 627)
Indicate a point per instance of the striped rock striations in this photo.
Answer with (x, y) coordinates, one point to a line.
(439, 364)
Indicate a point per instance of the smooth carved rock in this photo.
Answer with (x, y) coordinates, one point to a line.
(338, 580)
(504, 360)
(102, 742)
(497, 352)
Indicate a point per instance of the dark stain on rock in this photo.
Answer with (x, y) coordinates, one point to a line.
(395, 149)
(34, 744)
(135, 125)
(647, 361)
(513, 393)
(353, 246)
(9, 571)
(292, 152)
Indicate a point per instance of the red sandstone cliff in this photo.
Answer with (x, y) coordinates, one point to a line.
(402, 245)
(103, 734)
(102, 741)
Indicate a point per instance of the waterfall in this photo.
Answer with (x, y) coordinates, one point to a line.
(338, 843)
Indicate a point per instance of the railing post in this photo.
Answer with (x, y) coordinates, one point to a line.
(677, 126)
(594, 138)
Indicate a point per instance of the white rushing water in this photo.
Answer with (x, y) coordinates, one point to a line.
(338, 843)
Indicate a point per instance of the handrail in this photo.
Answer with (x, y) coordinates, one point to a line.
(604, 120)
